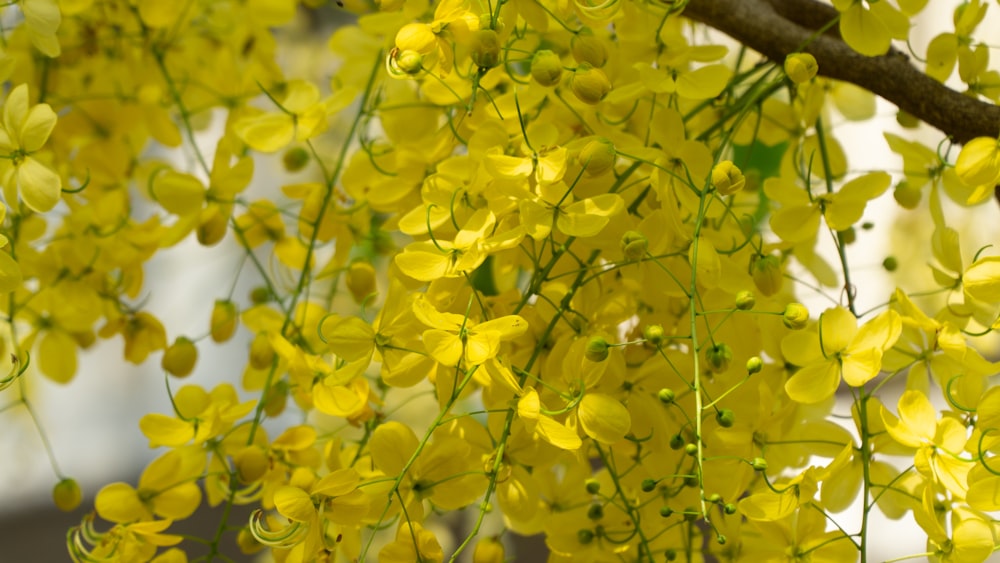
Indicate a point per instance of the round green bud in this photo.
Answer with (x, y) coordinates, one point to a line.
(690, 481)
(691, 449)
(546, 67)
(597, 349)
(67, 495)
(666, 396)
(721, 539)
(758, 464)
(648, 485)
(801, 67)
(906, 196)
(485, 48)
(867, 226)
(719, 357)
(634, 245)
(754, 365)
(590, 85)
(890, 263)
(409, 61)
(666, 511)
(598, 156)
(654, 334)
(766, 274)
(260, 295)
(745, 300)
(671, 554)
(676, 442)
(848, 235)
(595, 512)
(295, 159)
(795, 316)
(593, 486)
(587, 48)
(714, 498)
(907, 120)
(729, 508)
(585, 536)
(725, 417)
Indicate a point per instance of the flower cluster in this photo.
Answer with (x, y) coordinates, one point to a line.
(579, 229)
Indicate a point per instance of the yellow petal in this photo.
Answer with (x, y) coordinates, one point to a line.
(163, 430)
(180, 194)
(557, 434)
(36, 127)
(295, 504)
(603, 418)
(348, 337)
(443, 346)
(40, 187)
(268, 132)
(837, 328)
(10, 274)
(814, 383)
(119, 502)
(863, 31)
(57, 356)
(982, 279)
(768, 506)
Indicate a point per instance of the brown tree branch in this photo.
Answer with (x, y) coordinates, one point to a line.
(776, 28)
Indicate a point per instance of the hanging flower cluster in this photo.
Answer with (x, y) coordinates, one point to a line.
(580, 228)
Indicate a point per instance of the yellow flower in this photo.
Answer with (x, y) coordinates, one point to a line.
(455, 338)
(838, 349)
(938, 441)
(979, 162)
(25, 130)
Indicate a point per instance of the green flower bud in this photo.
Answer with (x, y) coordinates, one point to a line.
(597, 349)
(406, 62)
(590, 85)
(546, 67)
(890, 263)
(907, 120)
(714, 498)
(721, 539)
(906, 196)
(634, 245)
(759, 464)
(666, 511)
(593, 486)
(796, 316)
(295, 159)
(729, 508)
(766, 274)
(666, 396)
(595, 512)
(848, 235)
(719, 357)
(587, 48)
(486, 48)
(745, 300)
(585, 536)
(180, 357)
(67, 495)
(648, 485)
(654, 334)
(754, 365)
(727, 178)
(676, 442)
(725, 418)
(670, 554)
(691, 449)
(598, 156)
(260, 294)
(801, 67)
